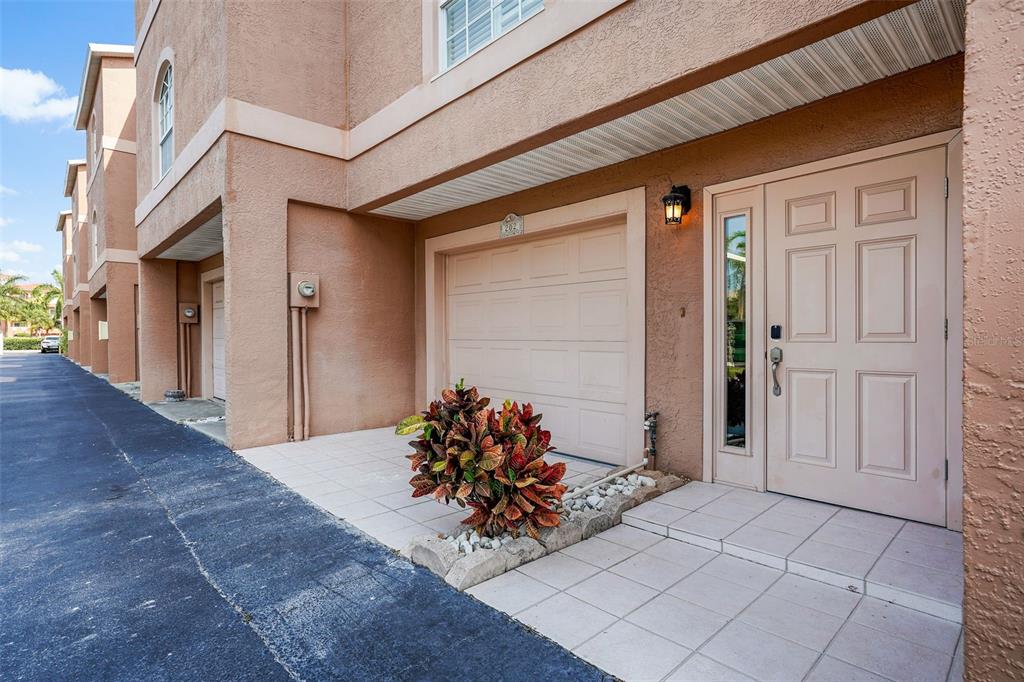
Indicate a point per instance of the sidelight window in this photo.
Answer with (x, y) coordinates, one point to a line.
(735, 317)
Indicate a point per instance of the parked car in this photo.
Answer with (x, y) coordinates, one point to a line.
(50, 344)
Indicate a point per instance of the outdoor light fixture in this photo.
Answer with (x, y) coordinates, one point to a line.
(677, 204)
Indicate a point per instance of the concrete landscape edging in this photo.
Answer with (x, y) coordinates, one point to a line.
(462, 571)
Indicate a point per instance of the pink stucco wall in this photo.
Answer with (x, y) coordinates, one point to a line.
(994, 341)
(361, 348)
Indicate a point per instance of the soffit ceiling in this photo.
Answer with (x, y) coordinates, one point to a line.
(917, 34)
(202, 242)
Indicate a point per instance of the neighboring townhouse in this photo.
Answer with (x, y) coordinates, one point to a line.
(750, 219)
(106, 111)
(81, 332)
(65, 225)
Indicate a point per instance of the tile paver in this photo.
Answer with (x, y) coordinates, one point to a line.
(611, 593)
(759, 654)
(567, 620)
(615, 650)
(690, 610)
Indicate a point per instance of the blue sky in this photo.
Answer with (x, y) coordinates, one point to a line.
(42, 52)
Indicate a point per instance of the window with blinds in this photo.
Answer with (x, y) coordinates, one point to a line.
(468, 25)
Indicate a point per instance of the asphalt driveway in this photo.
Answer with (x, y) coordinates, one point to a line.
(132, 548)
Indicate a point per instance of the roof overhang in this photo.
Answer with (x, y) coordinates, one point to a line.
(202, 242)
(72, 175)
(90, 76)
(62, 218)
(917, 34)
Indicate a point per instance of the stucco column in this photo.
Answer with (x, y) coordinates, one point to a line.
(73, 327)
(256, 312)
(86, 332)
(98, 312)
(994, 340)
(121, 278)
(158, 331)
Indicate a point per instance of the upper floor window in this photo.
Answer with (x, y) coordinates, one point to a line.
(468, 25)
(165, 120)
(94, 228)
(95, 143)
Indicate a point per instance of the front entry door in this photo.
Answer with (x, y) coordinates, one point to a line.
(855, 277)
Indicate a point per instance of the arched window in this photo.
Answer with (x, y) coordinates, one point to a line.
(94, 228)
(165, 119)
(95, 143)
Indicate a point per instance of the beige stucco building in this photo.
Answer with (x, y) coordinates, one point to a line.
(478, 193)
(106, 111)
(100, 263)
(75, 227)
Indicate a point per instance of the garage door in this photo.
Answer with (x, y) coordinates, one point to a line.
(219, 384)
(544, 322)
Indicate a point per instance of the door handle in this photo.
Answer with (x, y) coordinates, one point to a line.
(775, 356)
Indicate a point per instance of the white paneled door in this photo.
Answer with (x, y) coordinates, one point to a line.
(219, 383)
(855, 278)
(545, 321)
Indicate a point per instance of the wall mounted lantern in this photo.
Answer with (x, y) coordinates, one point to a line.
(677, 204)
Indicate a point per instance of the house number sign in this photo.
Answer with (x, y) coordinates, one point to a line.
(511, 226)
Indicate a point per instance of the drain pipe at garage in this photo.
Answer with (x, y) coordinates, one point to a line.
(651, 427)
(304, 293)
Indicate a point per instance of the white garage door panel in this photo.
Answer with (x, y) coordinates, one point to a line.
(590, 256)
(593, 371)
(219, 382)
(546, 322)
(580, 427)
(588, 310)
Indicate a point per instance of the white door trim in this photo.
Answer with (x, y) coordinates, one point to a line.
(955, 341)
(629, 204)
(207, 280)
(952, 141)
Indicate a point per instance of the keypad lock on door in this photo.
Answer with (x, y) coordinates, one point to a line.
(775, 357)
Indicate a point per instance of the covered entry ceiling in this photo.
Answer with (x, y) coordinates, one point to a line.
(913, 36)
(202, 242)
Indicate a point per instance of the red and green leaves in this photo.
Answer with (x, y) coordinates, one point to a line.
(492, 461)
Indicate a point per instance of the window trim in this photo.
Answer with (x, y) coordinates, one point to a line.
(443, 66)
(161, 136)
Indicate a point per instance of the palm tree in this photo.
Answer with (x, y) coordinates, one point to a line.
(12, 299)
(41, 299)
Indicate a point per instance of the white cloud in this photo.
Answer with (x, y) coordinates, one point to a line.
(33, 96)
(8, 190)
(4, 222)
(11, 252)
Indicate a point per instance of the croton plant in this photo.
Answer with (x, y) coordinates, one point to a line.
(490, 461)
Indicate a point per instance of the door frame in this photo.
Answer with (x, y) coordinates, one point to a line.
(207, 280)
(754, 458)
(629, 204)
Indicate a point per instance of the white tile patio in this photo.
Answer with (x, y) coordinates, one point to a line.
(714, 616)
(739, 592)
(363, 477)
(908, 563)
